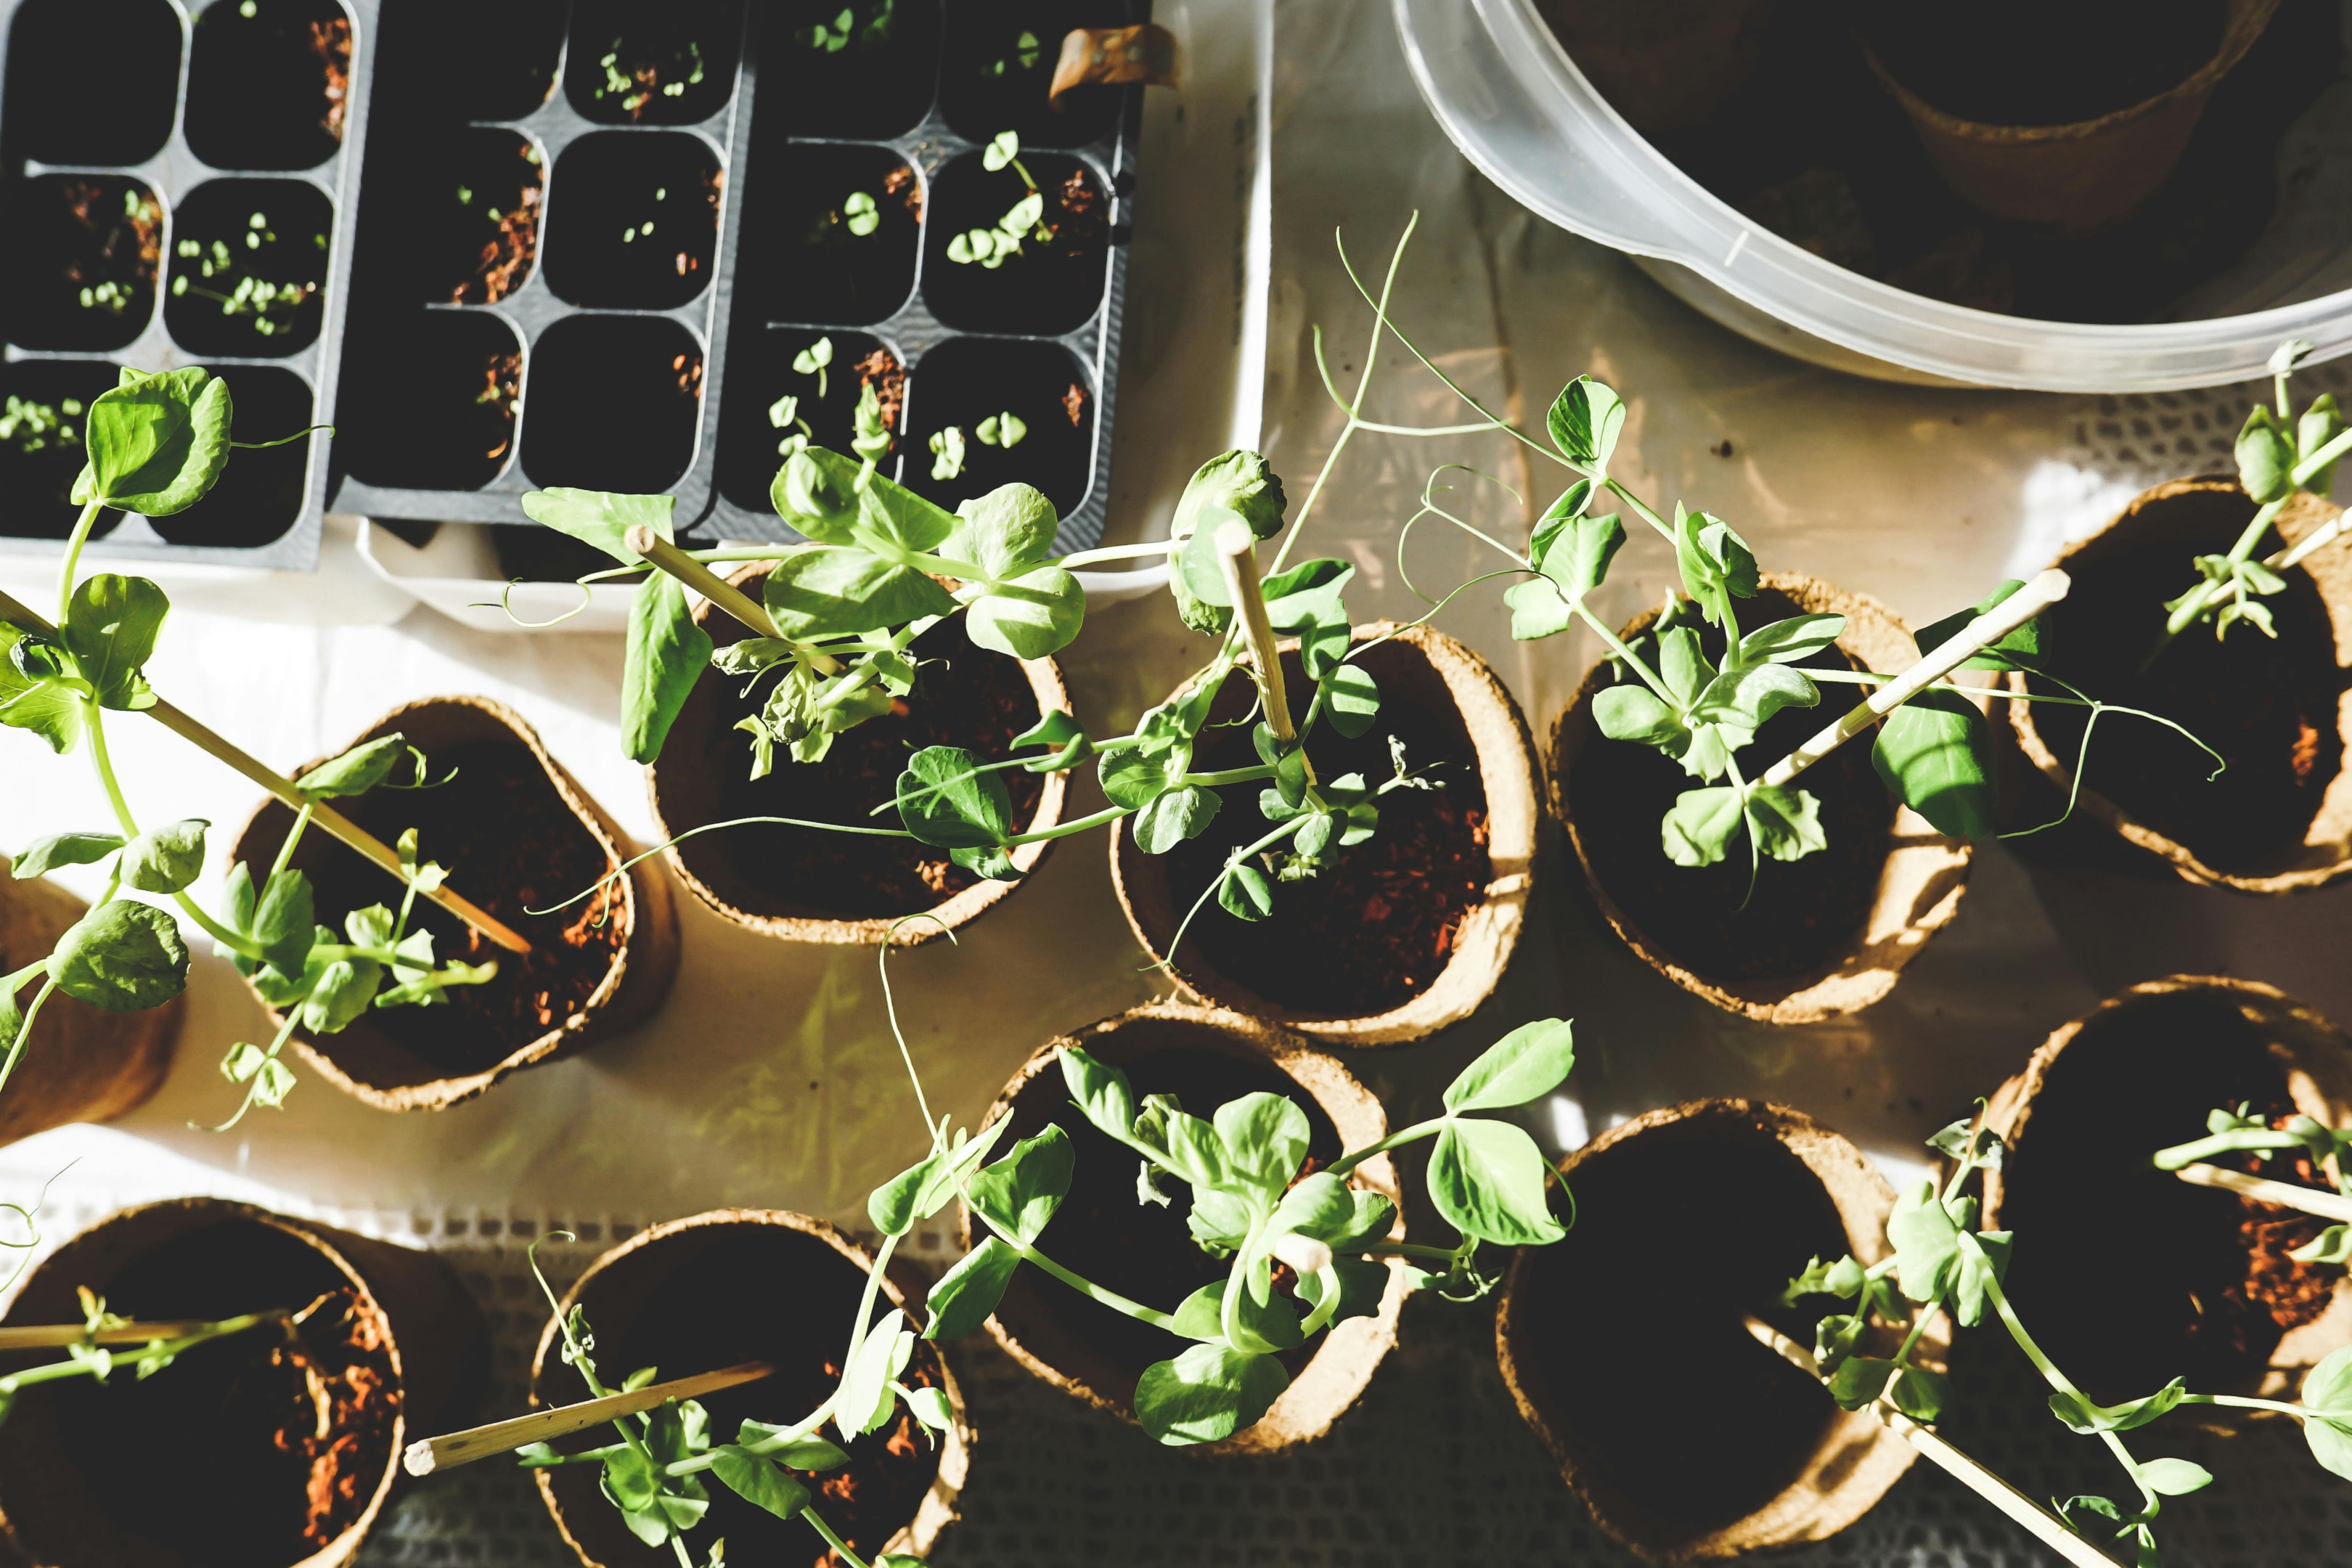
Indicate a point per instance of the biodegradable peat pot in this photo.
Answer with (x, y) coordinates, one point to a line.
(2085, 172)
(391, 1360)
(1713, 1446)
(1664, 65)
(517, 833)
(1822, 936)
(2214, 1298)
(83, 1063)
(1205, 1057)
(806, 884)
(2278, 819)
(1412, 930)
(732, 1286)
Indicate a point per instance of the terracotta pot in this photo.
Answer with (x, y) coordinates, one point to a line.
(83, 1063)
(684, 788)
(719, 1289)
(1096, 1354)
(2087, 174)
(2183, 519)
(367, 1059)
(2106, 1092)
(1429, 672)
(1664, 65)
(1918, 887)
(203, 1257)
(1774, 1463)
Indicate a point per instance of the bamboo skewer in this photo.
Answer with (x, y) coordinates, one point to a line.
(1962, 645)
(427, 1455)
(204, 738)
(1234, 541)
(660, 553)
(2310, 1200)
(2044, 1526)
(51, 1336)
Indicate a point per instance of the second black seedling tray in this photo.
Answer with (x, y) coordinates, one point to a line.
(593, 249)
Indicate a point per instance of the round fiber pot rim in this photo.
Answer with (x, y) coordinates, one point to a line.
(932, 1515)
(644, 965)
(1920, 862)
(2329, 845)
(203, 1212)
(1833, 1491)
(1046, 683)
(1335, 1378)
(83, 1063)
(1489, 932)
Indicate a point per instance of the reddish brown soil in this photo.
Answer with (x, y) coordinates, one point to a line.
(331, 42)
(2289, 1293)
(506, 257)
(882, 371)
(901, 183)
(124, 246)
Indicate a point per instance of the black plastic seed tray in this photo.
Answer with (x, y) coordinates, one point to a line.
(593, 248)
(174, 191)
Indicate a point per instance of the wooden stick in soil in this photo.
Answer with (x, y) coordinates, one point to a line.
(2310, 1200)
(427, 1455)
(204, 738)
(50, 1336)
(1235, 545)
(660, 553)
(1962, 645)
(2043, 1525)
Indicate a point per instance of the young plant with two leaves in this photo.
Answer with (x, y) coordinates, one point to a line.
(1946, 1265)
(156, 445)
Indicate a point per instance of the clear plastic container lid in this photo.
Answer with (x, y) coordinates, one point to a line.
(1508, 94)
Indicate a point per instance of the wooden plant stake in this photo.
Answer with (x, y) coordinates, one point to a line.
(51, 1336)
(1235, 545)
(2043, 1525)
(661, 554)
(2326, 1205)
(427, 1455)
(206, 740)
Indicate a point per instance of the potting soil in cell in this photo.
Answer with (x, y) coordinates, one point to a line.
(1801, 914)
(243, 1479)
(511, 843)
(2210, 1288)
(794, 1294)
(1053, 284)
(2268, 705)
(1376, 929)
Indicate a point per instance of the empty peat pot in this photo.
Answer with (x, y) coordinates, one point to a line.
(285, 1443)
(1820, 936)
(2075, 128)
(2279, 817)
(727, 1287)
(83, 1063)
(517, 833)
(2214, 1299)
(1411, 930)
(1205, 1057)
(804, 884)
(1772, 1462)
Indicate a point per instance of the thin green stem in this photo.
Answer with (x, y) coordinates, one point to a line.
(293, 836)
(72, 561)
(2244, 1401)
(25, 1024)
(1229, 775)
(1102, 818)
(1412, 1249)
(11, 983)
(1085, 1287)
(1641, 508)
(840, 1547)
(102, 761)
(1144, 552)
(2244, 1139)
(1418, 1131)
(52, 1371)
(865, 1301)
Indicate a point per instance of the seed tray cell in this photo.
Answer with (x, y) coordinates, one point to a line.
(193, 212)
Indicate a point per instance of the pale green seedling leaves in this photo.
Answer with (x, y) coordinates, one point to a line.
(357, 771)
(945, 800)
(1207, 1394)
(122, 956)
(156, 443)
(968, 1293)
(1487, 1179)
(2267, 457)
(602, 518)
(1934, 753)
(43, 856)
(36, 693)
(1716, 563)
(1585, 421)
(1170, 819)
(166, 860)
(112, 623)
(1525, 1065)
(1266, 1138)
(2327, 1392)
(1018, 1195)
(759, 1480)
(827, 590)
(665, 656)
(865, 1397)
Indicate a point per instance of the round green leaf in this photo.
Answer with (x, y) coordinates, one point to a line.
(943, 800)
(1207, 1394)
(156, 443)
(1487, 1179)
(1526, 1064)
(122, 956)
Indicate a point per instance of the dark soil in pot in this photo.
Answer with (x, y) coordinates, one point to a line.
(252, 1482)
(257, 497)
(1803, 913)
(55, 117)
(614, 403)
(2269, 706)
(248, 268)
(963, 696)
(2089, 57)
(967, 380)
(82, 261)
(268, 84)
(999, 64)
(636, 222)
(672, 64)
(442, 404)
(1144, 1251)
(2213, 1291)
(804, 259)
(877, 83)
(1377, 930)
(42, 401)
(484, 62)
(1054, 285)
(468, 215)
(760, 376)
(651, 1306)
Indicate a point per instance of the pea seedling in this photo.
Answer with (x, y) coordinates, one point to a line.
(1023, 222)
(1028, 50)
(270, 304)
(31, 427)
(878, 26)
(947, 452)
(156, 445)
(1002, 430)
(90, 1351)
(815, 360)
(860, 213)
(2240, 1132)
(1945, 1263)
